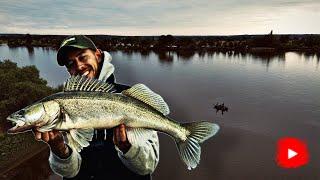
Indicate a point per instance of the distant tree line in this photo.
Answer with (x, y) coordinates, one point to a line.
(241, 43)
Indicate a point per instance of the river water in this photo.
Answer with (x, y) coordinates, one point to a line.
(268, 98)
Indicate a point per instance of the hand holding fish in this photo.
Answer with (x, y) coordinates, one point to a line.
(55, 140)
(120, 138)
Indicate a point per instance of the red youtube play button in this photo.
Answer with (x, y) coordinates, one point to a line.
(291, 153)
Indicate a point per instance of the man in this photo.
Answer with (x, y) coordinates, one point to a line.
(110, 154)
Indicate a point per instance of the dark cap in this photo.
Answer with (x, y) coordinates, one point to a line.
(77, 41)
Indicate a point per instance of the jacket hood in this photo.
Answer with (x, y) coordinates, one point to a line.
(107, 68)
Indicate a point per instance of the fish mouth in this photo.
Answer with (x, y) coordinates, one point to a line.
(20, 126)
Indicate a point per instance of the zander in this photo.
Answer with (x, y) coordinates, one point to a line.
(87, 104)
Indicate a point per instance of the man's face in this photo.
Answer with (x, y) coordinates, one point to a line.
(83, 62)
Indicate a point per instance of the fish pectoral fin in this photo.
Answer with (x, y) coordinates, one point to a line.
(79, 138)
(146, 95)
(136, 135)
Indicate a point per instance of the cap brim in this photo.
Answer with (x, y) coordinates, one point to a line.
(63, 50)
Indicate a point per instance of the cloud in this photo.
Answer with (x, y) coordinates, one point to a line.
(146, 17)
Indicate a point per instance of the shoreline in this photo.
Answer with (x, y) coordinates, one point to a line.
(268, 43)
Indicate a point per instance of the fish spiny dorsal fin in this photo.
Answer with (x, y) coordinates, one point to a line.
(82, 83)
(144, 94)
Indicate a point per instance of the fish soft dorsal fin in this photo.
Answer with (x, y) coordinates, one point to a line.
(144, 94)
(82, 83)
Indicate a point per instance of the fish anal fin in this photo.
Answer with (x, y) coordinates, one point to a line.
(136, 135)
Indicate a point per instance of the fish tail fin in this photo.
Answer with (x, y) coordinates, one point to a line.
(190, 150)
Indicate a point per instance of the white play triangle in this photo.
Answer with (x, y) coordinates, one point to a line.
(291, 153)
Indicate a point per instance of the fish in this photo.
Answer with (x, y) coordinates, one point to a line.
(86, 104)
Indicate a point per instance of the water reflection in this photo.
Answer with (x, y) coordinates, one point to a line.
(266, 59)
(185, 54)
(165, 57)
(318, 59)
(31, 52)
(45, 58)
(145, 54)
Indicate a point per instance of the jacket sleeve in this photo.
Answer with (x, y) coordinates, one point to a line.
(68, 167)
(143, 156)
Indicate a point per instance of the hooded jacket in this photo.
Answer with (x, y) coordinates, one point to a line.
(102, 159)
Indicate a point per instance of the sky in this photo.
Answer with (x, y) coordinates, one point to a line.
(158, 17)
